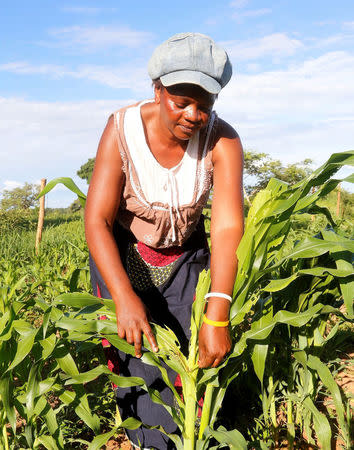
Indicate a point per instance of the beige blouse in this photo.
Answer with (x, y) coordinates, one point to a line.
(155, 223)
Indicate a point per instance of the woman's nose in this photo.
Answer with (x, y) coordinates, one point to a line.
(192, 113)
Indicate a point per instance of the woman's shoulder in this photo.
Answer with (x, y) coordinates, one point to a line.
(227, 144)
(141, 103)
(223, 130)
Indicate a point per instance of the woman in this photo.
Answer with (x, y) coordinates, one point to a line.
(155, 166)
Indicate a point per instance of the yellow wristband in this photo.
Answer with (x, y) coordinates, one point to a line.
(215, 323)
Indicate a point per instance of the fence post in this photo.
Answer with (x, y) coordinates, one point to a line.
(40, 216)
(338, 200)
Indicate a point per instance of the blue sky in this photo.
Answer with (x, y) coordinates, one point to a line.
(65, 66)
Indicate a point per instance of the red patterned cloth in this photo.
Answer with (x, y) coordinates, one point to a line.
(159, 257)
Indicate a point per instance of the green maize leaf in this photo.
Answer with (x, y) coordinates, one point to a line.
(326, 377)
(232, 438)
(80, 337)
(169, 348)
(133, 424)
(43, 409)
(298, 319)
(281, 205)
(67, 363)
(285, 317)
(87, 326)
(333, 332)
(323, 271)
(81, 408)
(343, 262)
(45, 385)
(80, 300)
(48, 345)
(92, 374)
(315, 209)
(74, 279)
(47, 441)
(122, 382)
(320, 423)
(228, 373)
(92, 311)
(17, 286)
(259, 356)
(312, 247)
(121, 344)
(101, 440)
(151, 359)
(32, 389)
(202, 289)
(279, 284)
(22, 327)
(4, 321)
(259, 353)
(24, 346)
(6, 398)
(67, 182)
(46, 321)
(329, 168)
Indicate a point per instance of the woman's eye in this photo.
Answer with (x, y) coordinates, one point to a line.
(180, 105)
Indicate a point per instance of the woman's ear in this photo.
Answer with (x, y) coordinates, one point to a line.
(157, 94)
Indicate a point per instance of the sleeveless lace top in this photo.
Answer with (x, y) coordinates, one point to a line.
(161, 206)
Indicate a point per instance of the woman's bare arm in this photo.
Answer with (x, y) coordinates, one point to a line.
(101, 209)
(226, 232)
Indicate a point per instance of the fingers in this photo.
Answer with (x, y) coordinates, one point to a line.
(137, 343)
(150, 337)
(121, 331)
(133, 336)
(207, 360)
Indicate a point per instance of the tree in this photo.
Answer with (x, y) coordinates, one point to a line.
(260, 167)
(75, 206)
(85, 171)
(20, 197)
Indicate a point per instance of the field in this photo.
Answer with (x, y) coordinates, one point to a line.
(293, 383)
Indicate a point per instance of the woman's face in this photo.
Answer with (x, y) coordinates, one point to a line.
(184, 108)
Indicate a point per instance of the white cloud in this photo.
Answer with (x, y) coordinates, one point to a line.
(274, 45)
(81, 10)
(349, 25)
(11, 184)
(54, 140)
(295, 113)
(303, 111)
(240, 15)
(95, 38)
(237, 4)
(132, 77)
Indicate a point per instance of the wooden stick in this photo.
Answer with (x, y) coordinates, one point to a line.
(338, 200)
(40, 216)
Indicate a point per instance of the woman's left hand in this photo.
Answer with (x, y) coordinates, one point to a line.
(214, 345)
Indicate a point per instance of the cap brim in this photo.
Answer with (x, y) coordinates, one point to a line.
(191, 77)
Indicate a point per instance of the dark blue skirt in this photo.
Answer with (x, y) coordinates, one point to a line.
(169, 304)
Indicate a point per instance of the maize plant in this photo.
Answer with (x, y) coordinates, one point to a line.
(283, 296)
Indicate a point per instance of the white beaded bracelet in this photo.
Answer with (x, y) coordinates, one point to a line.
(219, 294)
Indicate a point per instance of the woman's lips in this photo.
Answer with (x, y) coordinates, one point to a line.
(189, 130)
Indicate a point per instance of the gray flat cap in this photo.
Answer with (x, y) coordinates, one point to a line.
(191, 58)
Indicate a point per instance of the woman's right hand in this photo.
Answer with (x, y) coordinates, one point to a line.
(132, 321)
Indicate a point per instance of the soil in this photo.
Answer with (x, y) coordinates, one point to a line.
(119, 442)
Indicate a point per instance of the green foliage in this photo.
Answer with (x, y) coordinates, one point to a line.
(290, 286)
(262, 168)
(85, 171)
(20, 198)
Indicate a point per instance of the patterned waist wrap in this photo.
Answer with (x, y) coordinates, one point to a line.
(148, 267)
